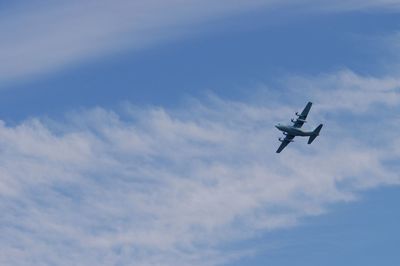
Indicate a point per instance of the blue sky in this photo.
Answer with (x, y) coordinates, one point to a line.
(141, 133)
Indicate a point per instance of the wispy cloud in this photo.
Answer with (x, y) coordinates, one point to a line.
(347, 90)
(38, 38)
(172, 187)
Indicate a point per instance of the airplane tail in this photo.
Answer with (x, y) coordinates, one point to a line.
(315, 134)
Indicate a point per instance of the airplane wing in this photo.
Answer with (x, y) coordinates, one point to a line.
(301, 118)
(285, 142)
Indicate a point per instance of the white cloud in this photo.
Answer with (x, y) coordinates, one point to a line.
(39, 38)
(172, 187)
(346, 90)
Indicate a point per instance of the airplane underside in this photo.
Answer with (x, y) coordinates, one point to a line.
(296, 132)
(292, 131)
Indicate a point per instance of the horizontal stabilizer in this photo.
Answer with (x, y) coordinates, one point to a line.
(315, 134)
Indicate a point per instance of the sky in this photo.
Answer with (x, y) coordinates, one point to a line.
(142, 132)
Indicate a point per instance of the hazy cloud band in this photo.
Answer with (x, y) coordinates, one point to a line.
(171, 187)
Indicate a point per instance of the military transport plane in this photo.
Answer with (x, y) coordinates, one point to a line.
(291, 131)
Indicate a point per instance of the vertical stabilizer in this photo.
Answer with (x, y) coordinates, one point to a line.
(315, 134)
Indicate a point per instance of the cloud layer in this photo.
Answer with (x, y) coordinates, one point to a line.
(41, 37)
(151, 186)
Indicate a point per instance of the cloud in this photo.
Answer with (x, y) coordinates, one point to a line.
(42, 37)
(156, 186)
(67, 33)
(345, 90)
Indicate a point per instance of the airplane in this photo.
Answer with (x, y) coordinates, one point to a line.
(291, 131)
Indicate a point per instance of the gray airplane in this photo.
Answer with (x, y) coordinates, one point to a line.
(291, 131)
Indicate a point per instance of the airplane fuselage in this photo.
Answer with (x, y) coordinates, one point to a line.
(294, 131)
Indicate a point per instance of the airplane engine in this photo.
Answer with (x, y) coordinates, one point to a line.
(298, 120)
(281, 140)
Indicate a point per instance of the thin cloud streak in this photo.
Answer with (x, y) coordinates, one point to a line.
(173, 187)
(63, 34)
(38, 39)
